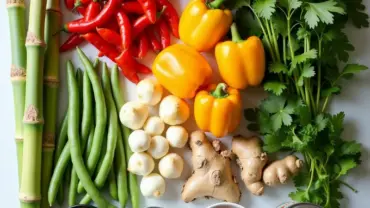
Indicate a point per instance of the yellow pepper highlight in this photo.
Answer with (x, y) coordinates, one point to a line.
(202, 25)
(218, 109)
(181, 70)
(241, 62)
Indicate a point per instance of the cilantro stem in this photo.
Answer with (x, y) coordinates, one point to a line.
(269, 35)
(275, 42)
(284, 50)
(325, 104)
(348, 186)
(319, 77)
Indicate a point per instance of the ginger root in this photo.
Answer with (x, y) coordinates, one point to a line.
(212, 176)
(251, 159)
(280, 171)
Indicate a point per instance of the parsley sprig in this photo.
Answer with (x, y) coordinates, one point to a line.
(306, 43)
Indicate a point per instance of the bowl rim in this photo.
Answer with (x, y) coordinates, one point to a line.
(226, 203)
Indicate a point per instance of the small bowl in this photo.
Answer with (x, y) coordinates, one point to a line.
(226, 205)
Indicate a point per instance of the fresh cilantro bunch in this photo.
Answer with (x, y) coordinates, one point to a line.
(306, 45)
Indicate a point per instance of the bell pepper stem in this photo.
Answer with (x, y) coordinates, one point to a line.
(235, 34)
(220, 91)
(215, 4)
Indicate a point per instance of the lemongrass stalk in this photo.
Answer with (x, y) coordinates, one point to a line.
(30, 191)
(53, 23)
(17, 27)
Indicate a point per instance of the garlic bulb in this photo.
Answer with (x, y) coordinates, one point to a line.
(153, 185)
(140, 164)
(171, 166)
(134, 114)
(139, 141)
(149, 91)
(154, 126)
(173, 110)
(158, 147)
(177, 136)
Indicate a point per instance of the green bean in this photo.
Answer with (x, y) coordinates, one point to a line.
(89, 143)
(103, 172)
(121, 170)
(73, 138)
(87, 110)
(57, 176)
(74, 179)
(61, 141)
(113, 184)
(133, 184)
(100, 113)
(72, 188)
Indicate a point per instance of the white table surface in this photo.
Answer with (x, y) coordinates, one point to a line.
(354, 101)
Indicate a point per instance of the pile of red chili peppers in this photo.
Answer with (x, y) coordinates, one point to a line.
(123, 30)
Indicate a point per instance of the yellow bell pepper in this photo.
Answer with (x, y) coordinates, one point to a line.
(218, 109)
(241, 62)
(181, 70)
(202, 25)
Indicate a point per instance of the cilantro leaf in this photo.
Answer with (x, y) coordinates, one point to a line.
(356, 12)
(307, 72)
(329, 91)
(290, 4)
(350, 148)
(302, 33)
(350, 69)
(277, 121)
(301, 179)
(278, 68)
(272, 142)
(346, 165)
(300, 195)
(265, 8)
(275, 87)
(337, 124)
(321, 122)
(280, 24)
(273, 104)
(322, 11)
(311, 54)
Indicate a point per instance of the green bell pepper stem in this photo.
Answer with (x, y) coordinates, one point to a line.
(235, 36)
(220, 91)
(215, 4)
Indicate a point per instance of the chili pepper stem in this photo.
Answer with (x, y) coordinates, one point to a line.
(51, 78)
(30, 191)
(220, 91)
(215, 4)
(17, 27)
(235, 34)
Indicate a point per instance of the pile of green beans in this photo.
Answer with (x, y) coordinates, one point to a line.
(92, 142)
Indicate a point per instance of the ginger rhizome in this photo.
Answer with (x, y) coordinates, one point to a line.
(280, 171)
(212, 176)
(251, 159)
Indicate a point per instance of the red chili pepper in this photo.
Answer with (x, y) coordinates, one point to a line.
(104, 16)
(156, 45)
(125, 29)
(139, 25)
(164, 33)
(81, 10)
(69, 4)
(132, 7)
(149, 7)
(112, 25)
(110, 36)
(100, 54)
(92, 10)
(171, 16)
(141, 68)
(73, 40)
(107, 49)
(143, 46)
(127, 64)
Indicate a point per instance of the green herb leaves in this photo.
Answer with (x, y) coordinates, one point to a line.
(305, 43)
(323, 11)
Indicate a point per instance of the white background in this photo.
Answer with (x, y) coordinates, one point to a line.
(354, 101)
